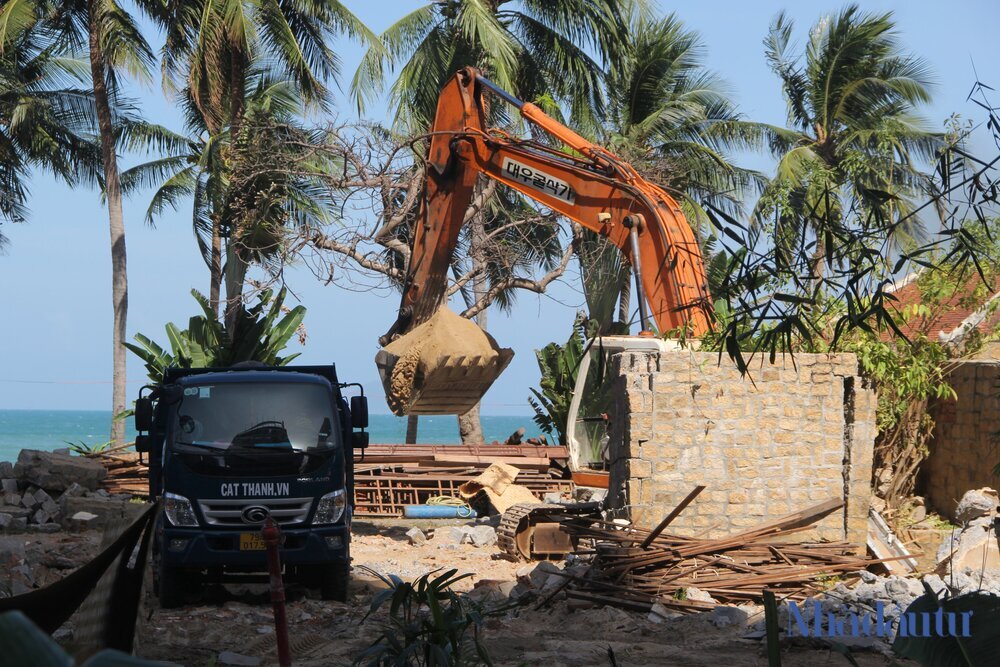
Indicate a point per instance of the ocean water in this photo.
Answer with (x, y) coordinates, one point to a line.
(52, 429)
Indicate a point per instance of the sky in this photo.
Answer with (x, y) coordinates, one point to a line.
(55, 278)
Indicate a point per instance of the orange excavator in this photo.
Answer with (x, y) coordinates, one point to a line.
(433, 361)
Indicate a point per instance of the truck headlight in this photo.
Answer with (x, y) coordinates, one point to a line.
(178, 510)
(331, 507)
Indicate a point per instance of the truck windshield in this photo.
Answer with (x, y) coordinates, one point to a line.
(255, 418)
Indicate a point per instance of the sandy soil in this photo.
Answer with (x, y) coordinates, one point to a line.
(238, 619)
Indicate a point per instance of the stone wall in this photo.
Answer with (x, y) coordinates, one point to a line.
(787, 437)
(966, 441)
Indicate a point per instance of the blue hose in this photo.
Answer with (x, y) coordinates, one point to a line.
(438, 512)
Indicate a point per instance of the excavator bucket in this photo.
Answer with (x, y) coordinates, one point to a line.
(442, 367)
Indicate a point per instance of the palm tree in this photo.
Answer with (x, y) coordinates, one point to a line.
(853, 138)
(43, 123)
(113, 43)
(210, 51)
(537, 49)
(673, 119)
(246, 189)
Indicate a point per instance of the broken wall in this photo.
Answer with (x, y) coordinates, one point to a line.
(966, 441)
(786, 437)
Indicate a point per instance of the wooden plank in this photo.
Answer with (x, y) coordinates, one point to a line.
(670, 517)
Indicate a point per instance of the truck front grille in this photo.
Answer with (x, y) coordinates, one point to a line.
(226, 512)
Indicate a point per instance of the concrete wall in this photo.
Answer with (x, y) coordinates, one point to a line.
(794, 436)
(966, 441)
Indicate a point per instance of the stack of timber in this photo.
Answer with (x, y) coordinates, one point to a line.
(393, 476)
(634, 568)
(126, 473)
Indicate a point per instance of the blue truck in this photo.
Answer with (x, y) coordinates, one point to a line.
(230, 447)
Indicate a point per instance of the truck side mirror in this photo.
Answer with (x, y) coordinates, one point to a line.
(359, 440)
(143, 414)
(359, 411)
(142, 444)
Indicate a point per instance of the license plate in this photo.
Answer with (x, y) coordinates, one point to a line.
(251, 542)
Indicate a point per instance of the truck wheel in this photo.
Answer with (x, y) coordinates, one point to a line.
(171, 585)
(334, 580)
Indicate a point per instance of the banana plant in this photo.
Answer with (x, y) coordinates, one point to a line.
(257, 335)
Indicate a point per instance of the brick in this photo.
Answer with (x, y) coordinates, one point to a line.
(639, 468)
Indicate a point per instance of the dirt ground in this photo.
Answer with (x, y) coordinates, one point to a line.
(236, 619)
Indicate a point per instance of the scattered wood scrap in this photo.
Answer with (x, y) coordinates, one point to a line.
(393, 476)
(634, 568)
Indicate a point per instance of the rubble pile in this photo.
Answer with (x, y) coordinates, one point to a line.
(44, 492)
(30, 563)
(635, 568)
(973, 546)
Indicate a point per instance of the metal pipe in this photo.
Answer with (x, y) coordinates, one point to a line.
(272, 538)
(632, 223)
(497, 90)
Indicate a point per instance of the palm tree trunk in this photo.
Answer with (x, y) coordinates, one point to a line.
(470, 427)
(112, 186)
(215, 270)
(236, 267)
(235, 276)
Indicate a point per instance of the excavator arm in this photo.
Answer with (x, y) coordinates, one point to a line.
(587, 184)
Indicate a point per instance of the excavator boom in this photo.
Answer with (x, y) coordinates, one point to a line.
(586, 184)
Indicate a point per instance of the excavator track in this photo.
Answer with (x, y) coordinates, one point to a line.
(516, 533)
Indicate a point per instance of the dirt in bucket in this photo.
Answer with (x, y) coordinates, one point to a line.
(428, 346)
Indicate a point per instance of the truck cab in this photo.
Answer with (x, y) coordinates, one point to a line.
(229, 448)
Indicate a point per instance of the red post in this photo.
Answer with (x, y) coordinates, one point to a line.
(272, 538)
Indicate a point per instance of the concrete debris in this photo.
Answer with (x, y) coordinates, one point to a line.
(917, 509)
(231, 658)
(892, 594)
(28, 501)
(455, 535)
(723, 617)
(416, 536)
(6, 469)
(8, 485)
(698, 595)
(975, 504)
(74, 491)
(520, 591)
(658, 614)
(480, 534)
(974, 546)
(11, 552)
(537, 575)
(57, 471)
(44, 528)
(483, 536)
(15, 576)
(105, 508)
